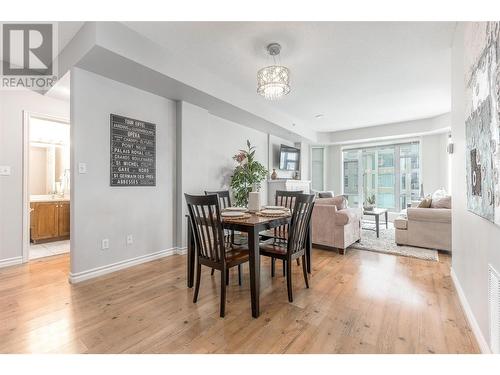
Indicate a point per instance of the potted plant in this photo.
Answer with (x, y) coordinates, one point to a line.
(369, 203)
(247, 175)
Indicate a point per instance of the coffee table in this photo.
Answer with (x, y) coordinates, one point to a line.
(377, 212)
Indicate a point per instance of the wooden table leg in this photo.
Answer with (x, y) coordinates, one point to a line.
(253, 247)
(308, 249)
(377, 224)
(190, 255)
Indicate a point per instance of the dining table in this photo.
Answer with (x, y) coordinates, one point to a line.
(252, 225)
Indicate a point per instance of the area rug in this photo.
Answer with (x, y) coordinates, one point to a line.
(386, 243)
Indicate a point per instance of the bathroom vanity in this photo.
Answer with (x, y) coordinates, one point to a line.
(49, 218)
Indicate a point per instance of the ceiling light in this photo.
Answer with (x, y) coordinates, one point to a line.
(320, 115)
(273, 82)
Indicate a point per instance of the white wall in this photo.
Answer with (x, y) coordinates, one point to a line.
(305, 160)
(208, 145)
(274, 156)
(333, 168)
(434, 162)
(12, 105)
(38, 171)
(100, 211)
(475, 240)
(406, 129)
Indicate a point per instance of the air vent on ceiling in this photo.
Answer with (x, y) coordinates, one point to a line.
(494, 307)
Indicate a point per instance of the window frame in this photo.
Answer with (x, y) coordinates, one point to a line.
(397, 169)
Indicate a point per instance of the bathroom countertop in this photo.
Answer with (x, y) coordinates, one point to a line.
(49, 198)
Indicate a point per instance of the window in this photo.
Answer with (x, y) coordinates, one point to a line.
(317, 168)
(351, 177)
(389, 174)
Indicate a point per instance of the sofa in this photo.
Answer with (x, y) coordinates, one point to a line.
(428, 227)
(334, 225)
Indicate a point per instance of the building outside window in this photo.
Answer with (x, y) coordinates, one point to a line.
(389, 174)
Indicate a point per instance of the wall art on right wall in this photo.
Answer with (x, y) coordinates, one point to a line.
(482, 113)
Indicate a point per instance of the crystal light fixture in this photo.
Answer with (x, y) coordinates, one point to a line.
(273, 81)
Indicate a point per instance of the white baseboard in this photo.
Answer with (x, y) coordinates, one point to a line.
(483, 344)
(103, 270)
(10, 261)
(181, 251)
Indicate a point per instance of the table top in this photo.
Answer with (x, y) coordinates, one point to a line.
(255, 220)
(375, 211)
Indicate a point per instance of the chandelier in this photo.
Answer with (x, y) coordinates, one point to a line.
(273, 81)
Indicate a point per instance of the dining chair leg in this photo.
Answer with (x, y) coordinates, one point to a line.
(239, 274)
(289, 280)
(304, 270)
(227, 276)
(212, 273)
(197, 283)
(273, 266)
(284, 267)
(223, 293)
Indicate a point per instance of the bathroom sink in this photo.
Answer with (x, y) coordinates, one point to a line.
(49, 198)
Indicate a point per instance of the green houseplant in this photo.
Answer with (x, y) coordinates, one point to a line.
(369, 203)
(248, 174)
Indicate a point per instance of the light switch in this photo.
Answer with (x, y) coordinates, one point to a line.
(4, 170)
(130, 239)
(105, 244)
(82, 167)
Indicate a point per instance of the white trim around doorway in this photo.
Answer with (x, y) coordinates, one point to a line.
(26, 204)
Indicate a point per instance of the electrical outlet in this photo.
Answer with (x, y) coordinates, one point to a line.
(130, 239)
(105, 244)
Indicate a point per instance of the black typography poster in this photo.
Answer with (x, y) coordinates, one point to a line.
(133, 152)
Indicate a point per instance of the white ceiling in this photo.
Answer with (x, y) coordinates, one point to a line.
(356, 74)
(61, 90)
(66, 31)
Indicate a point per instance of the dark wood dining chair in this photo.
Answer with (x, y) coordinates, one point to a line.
(294, 247)
(224, 197)
(212, 249)
(286, 199)
(225, 202)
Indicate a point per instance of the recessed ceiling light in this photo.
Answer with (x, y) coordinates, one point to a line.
(319, 115)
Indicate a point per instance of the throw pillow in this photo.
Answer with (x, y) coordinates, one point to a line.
(444, 202)
(325, 194)
(440, 193)
(425, 203)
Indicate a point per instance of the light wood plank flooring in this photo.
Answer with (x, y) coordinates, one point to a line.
(362, 302)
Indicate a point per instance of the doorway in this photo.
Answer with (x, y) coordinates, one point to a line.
(46, 188)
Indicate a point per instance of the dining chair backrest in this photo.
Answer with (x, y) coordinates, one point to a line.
(224, 197)
(286, 199)
(204, 213)
(299, 224)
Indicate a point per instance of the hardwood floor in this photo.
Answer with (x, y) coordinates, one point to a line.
(362, 302)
